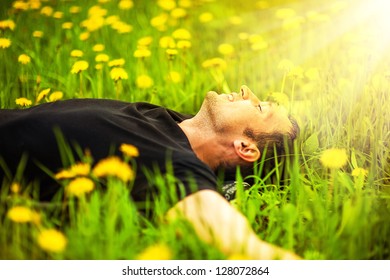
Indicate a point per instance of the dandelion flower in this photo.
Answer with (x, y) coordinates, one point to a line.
(296, 73)
(84, 36)
(47, 11)
(206, 17)
(56, 95)
(185, 3)
(116, 62)
(5, 43)
(216, 62)
(235, 20)
(74, 10)
(166, 4)
(24, 59)
(43, 94)
(312, 74)
(174, 77)
(79, 66)
(118, 73)
(145, 41)
(4, 24)
(99, 66)
(142, 53)
(58, 15)
(182, 34)
(183, 44)
(76, 53)
(111, 20)
(178, 13)
(80, 186)
(15, 187)
(156, 252)
(67, 25)
(159, 20)
(144, 82)
(129, 150)
(37, 34)
(334, 158)
(286, 65)
(102, 58)
(125, 4)
(122, 27)
(358, 171)
(284, 13)
(78, 169)
(24, 102)
(52, 240)
(226, 49)
(167, 42)
(98, 48)
(20, 214)
(113, 166)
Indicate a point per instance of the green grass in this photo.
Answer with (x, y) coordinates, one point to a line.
(345, 106)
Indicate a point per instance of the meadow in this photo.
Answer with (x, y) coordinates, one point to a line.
(327, 61)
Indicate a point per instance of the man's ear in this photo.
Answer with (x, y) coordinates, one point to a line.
(246, 150)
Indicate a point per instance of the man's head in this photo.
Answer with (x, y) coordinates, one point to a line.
(250, 125)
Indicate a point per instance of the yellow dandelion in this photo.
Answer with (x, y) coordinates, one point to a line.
(156, 252)
(93, 23)
(10, 24)
(76, 53)
(15, 187)
(178, 13)
(184, 44)
(5, 43)
(226, 49)
(280, 98)
(112, 19)
(84, 36)
(142, 53)
(37, 34)
(243, 36)
(145, 41)
(102, 58)
(185, 3)
(125, 4)
(174, 77)
(113, 166)
(79, 66)
(20, 214)
(167, 42)
(118, 73)
(67, 25)
(78, 169)
(47, 11)
(122, 27)
(206, 17)
(56, 95)
(166, 4)
(358, 171)
(58, 15)
(182, 34)
(312, 74)
(97, 11)
(116, 62)
(144, 82)
(52, 240)
(24, 102)
(98, 48)
(99, 66)
(43, 94)
(159, 20)
(129, 150)
(74, 10)
(24, 59)
(80, 186)
(334, 158)
(216, 62)
(20, 5)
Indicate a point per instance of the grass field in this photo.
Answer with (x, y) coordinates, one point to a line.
(327, 61)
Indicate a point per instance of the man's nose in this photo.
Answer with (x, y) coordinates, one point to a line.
(246, 94)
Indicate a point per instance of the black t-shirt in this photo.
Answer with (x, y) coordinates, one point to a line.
(101, 126)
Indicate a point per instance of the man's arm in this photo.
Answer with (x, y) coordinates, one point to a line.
(218, 223)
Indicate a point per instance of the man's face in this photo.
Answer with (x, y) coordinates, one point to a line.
(232, 113)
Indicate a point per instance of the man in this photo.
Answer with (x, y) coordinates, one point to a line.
(229, 130)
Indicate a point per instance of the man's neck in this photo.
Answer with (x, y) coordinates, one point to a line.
(206, 144)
